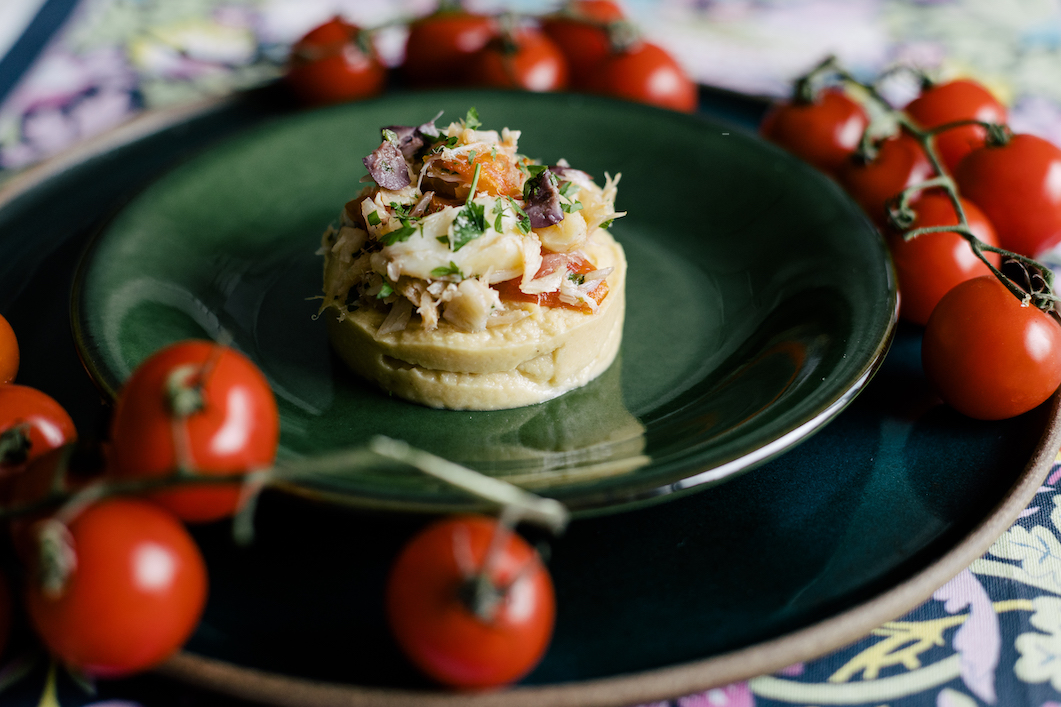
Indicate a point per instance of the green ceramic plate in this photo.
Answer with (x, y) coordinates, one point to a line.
(820, 545)
(760, 301)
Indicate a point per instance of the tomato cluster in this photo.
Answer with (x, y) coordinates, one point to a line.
(589, 46)
(992, 348)
(116, 585)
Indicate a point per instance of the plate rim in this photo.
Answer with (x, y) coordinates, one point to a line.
(662, 683)
(699, 475)
(757, 660)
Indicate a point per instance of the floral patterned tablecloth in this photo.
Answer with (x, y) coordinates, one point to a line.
(71, 69)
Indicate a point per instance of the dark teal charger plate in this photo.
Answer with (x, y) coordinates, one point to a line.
(854, 526)
(759, 300)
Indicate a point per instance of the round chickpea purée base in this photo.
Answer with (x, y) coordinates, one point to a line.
(548, 353)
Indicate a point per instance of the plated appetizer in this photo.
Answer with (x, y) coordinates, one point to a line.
(467, 276)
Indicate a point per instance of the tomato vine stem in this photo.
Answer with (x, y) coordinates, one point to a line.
(901, 214)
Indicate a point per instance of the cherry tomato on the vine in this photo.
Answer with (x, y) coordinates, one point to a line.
(430, 612)
(950, 102)
(645, 73)
(580, 31)
(31, 423)
(900, 163)
(134, 596)
(440, 47)
(232, 426)
(929, 265)
(823, 132)
(8, 352)
(1017, 186)
(525, 59)
(988, 356)
(335, 62)
(65, 469)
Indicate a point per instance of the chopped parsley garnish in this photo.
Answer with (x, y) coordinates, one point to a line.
(471, 156)
(471, 120)
(402, 210)
(385, 291)
(373, 218)
(522, 219)
(398, 235)
(576, 278)
(390, 136)
(498, 222)
(534, 169)
(493, 152)
(572, 207)
(565, 189)
(470, 222)
(608, 223)
(448, 271)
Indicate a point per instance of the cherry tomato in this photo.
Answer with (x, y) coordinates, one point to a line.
(525, 59)
(8, 352)
(440, 47)
(430, 615)
(31, 423)
(824, 132)
(65, 470)
(235, 430)
(134, 597)
(929, 265)
(900, 163)
(580, 32)
(988, 356)
(645, 73)
(1017, 186)
(950, 102)
(335, 62)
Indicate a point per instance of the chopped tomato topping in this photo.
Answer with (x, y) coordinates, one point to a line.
(498, 176)
(576, 265)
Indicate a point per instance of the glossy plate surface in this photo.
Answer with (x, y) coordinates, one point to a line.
(852, 528)
(759, 299)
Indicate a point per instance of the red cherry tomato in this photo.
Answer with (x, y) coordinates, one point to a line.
(645, 73)
(8, 352)
(900, 163)
(134, 597)
(335, 62)
(580, 32)
(431, 618)
(824, 132)
(950, 102)
(236, 429)
(526, 59)
(29, 416)
(1018, 186)
(987, 356)
(440, 47)
(929, 265)
(65, 470)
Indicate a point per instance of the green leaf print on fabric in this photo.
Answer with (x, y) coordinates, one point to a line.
(1037, 551)
(1040, 653)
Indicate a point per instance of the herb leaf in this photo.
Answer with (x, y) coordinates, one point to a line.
(398, 235)
(522, 219)
(451, 270)
(385, 291)
(471, 121)
(469, 224)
